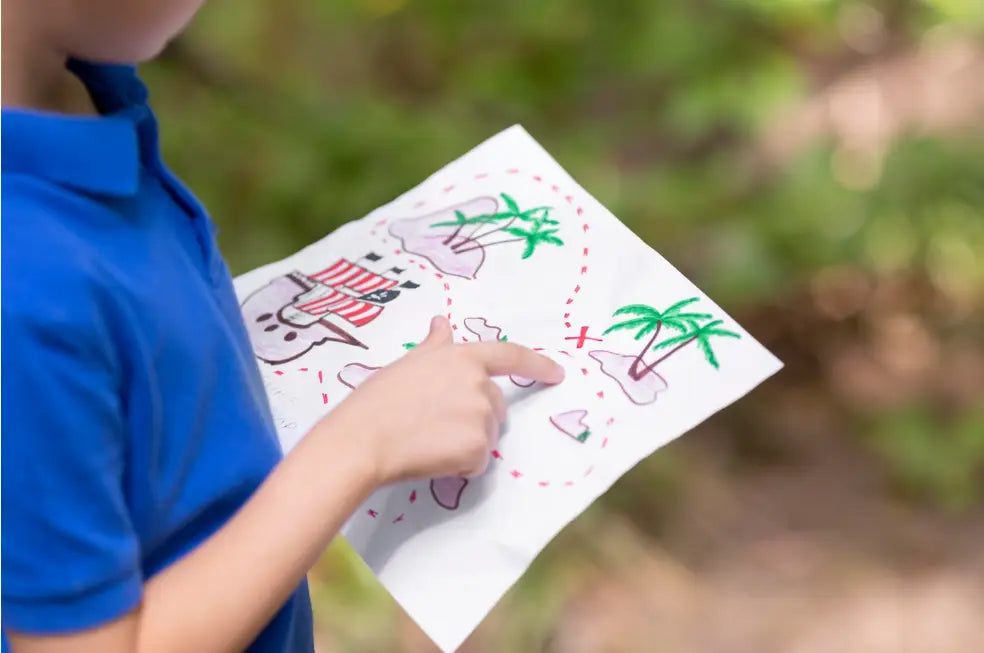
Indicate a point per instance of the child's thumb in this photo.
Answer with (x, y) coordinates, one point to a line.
(440, 332)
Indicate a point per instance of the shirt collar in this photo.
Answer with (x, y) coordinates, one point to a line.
(97, 154)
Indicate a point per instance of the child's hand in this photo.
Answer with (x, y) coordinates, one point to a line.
(436, 411)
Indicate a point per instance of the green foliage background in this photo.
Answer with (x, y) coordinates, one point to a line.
(291, 117)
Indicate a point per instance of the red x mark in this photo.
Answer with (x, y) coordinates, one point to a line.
(582, 337)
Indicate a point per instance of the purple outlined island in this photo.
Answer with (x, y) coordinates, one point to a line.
(355, 374)
(447, 491)
(486, 332)
(456, 239)
(444, 237)
(571, 423)
(642, 390)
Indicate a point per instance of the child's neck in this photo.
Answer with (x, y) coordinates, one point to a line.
(33, 71)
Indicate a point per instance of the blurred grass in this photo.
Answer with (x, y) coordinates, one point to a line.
(290, 118)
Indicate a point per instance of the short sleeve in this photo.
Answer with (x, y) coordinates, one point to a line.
(70, 556)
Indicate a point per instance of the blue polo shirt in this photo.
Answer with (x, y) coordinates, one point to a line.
(134, 422)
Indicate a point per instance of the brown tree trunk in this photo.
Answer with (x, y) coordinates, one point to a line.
(634, 370)
(475, 238)
(651, 367)
(454, 234)
(480, 245)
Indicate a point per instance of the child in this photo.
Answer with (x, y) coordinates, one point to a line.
(145, 505)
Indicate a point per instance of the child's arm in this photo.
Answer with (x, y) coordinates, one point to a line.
(442, 418)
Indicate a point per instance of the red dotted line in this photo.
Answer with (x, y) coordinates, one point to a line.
(449, 302)
(321, 380)
(517, 474)
(569, 199)
(584, 267)
(412, 261)
(509, 171)
(437, 275)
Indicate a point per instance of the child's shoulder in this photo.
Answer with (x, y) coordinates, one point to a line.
(52, 272)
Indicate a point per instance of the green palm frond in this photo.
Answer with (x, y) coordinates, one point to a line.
(638, 309)
(519, 232)
(527, 215)
(680, 304)
(690, 317)
(547, 236)
(510, 202)
(651, 326)
(711, 325)
(478, 219)
(721, 332)
(704, 334)
(687, 324)
(504, 215)
(645, 322)
(675, 340)
(459, 219)
(705, 347)
(678, 324)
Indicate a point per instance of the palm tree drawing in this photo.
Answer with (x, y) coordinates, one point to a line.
(637, 378)
(651, 321)
(701, 334)
(459, 221)
(533, 236)
(537, 218)
(455, 238)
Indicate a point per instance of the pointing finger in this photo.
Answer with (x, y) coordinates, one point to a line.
(507, 358)
(440, 332)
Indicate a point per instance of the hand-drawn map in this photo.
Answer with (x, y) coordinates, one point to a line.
(506, 245)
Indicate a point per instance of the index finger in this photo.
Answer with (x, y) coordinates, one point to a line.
(510, 359)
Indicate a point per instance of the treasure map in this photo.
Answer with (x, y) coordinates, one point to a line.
(509, 247)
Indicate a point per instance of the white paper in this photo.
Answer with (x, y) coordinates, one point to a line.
(447, 551)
